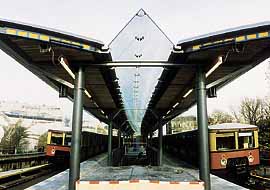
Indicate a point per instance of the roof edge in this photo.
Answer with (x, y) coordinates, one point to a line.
(47, 30)
(228, 31)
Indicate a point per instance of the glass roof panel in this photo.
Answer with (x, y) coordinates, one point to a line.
(140, 40)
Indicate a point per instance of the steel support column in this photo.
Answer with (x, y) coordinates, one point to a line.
(110, 144)
(202, 120)
(119, 138)
(150, 138)
(74, 172)
(160, 148)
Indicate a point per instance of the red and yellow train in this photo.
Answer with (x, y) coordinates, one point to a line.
(232, 145)
(59, 144)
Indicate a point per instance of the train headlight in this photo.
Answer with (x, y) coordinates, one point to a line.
(53, 151)
(250, 158)
(223, 161)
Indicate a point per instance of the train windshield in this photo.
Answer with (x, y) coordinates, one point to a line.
(67, 141)
(235, 140)
(57, 138)
(225, 141)
(246, 140)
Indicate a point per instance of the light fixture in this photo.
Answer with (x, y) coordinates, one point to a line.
(176, 104)
(102, 111)
(64, 63)
(87, 94)
(188, 92)
(96, 104)
(168, 112)
(218, 63)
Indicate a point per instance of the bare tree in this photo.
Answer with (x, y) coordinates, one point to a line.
(252, 110)
(220, 117)
(266, 109)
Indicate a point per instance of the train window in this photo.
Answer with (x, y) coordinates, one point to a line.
(67, 141)
(246, 140)
(57, 139)
(225, 141)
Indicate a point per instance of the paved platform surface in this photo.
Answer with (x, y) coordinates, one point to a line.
(95, 169)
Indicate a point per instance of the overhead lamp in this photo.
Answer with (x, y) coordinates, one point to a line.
(102, 111)
(188, 92)
(96, 104)
(218, 63)
(174, 106)
(64, 63)
(87, 94)
(168, 112)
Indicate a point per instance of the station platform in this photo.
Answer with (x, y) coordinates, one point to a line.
(95, 169)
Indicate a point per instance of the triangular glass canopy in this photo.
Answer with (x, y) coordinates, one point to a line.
(140, 40)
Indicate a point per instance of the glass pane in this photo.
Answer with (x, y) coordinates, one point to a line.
(225, 143)
(246, 141)
(57, 139)
(67, 141)
(141, 40)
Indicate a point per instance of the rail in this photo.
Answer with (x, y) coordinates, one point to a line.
(4, 157)
(13, 178)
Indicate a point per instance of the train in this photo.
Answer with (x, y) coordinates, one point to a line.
(59, 144)
(231, 146)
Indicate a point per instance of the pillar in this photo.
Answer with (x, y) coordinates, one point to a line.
(160, 151)
(119, 138)
(110, 144)
(150, 138)
(74, 172)
(202, 120)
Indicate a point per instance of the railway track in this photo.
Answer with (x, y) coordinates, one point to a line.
(258, 182)
(9, 180)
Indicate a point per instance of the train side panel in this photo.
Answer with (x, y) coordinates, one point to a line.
(59, 144)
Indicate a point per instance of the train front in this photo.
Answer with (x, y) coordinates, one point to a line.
(233, 146)
(58, 145)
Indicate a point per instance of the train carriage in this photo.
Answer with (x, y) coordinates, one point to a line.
(59, 144)
(231, 146)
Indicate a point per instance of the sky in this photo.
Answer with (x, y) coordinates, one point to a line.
(102, 20)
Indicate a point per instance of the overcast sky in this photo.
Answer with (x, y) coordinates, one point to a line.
(102, 20)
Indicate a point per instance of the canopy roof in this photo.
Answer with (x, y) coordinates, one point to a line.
(235, 51)
(227, 54)
(39, 49)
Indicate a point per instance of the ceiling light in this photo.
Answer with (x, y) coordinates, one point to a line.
(218, 63)
(87, 93)
(176, 104)
(64, 63)
(188, 92)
